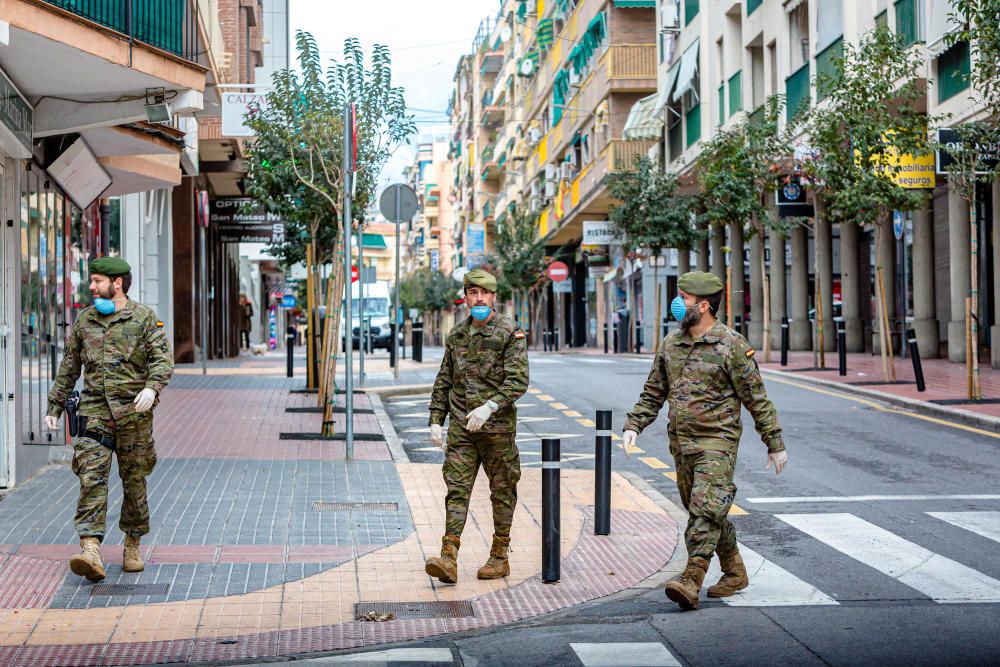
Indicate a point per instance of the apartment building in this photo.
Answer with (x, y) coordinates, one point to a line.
(720, 61)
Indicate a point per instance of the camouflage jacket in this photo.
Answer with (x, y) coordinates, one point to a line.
(705, 381)
(480, 364)
(121, 354)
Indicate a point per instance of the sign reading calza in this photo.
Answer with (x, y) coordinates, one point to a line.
(232, 225)
(235, 105)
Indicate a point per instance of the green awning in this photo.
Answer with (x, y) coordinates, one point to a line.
(545, 33)
(373, 241)
(522, 10)
(636, 3)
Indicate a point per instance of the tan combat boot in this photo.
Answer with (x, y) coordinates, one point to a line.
(684, 589)
(88, 563)
(132, 559)
(734, 575)
(445, 567)
(497, 566)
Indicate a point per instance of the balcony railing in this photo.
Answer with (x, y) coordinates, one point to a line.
(622, 153)
(170, 25)
(631, 61)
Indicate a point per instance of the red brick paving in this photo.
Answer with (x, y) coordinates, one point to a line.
(29, 583)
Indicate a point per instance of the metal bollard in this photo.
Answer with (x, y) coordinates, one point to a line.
(605, 338)
(918, 369)
(784, 341)
(555, 339)
(417, 343)
(638, 337)
(841, 348)
(392, 345)
(290, 344)
(550, 510)
(614, 335)
(602, 474)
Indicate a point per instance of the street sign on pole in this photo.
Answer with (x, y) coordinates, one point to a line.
(557, 272)
(398, 204)
(897, 224)
(354, 274)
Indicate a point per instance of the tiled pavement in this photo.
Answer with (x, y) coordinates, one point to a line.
(242, 565)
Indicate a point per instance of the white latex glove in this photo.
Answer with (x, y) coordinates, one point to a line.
(51, 423)
(478, 417)
(628, 441)
(144, 400)
(436, 438)
(779, 459)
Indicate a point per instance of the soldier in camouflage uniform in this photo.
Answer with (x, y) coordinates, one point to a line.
(706, 372)
(484, 371)
(127, 362)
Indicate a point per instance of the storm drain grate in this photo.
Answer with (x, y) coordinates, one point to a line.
(129, 589)
(320, 506)
(444, 609)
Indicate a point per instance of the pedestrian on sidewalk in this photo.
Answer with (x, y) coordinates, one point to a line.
(126, 362)
(484, 371)
(246, 322)
(706, 371)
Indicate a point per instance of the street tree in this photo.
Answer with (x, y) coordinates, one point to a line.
(652, 216)
(871, 117)
(429, 292)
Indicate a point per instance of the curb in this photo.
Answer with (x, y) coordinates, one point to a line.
(679, 558)
(388, 430)
(399, 390)
(985, 422)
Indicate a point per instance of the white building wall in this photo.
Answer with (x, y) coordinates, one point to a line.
(147, 246)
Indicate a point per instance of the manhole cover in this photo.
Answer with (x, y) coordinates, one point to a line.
(373, 437)
(320, 506)
(129, 589)
(446, 609)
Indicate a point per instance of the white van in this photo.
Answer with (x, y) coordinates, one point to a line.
(378, 310)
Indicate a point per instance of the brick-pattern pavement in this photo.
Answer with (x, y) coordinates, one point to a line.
(254, 571)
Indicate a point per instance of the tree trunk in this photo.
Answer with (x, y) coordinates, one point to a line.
(976, 392)
(335, 301)
(885, 338)
(766, 315)
(311, 379)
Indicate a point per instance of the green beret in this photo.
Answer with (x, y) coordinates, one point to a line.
(700, 283)
(480, 278)
(110, 266)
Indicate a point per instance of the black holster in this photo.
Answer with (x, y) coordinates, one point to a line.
(72, 405)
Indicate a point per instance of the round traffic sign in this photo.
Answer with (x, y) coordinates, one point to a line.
(354, 274)
(558, 272)
(398, 203)
(897, 224)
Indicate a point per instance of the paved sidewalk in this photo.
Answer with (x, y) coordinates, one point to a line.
(262, 546)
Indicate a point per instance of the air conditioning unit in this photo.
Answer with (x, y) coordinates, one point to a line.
(567, 171)
(550, 172)
(670, 20)
(534, 136)
(550, 189)
(536, 189)
(535, 204)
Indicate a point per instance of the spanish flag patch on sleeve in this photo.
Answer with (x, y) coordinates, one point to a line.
(518, 334)
(749, 353)
(159, 324)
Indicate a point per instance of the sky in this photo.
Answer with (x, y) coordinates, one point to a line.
(426, 39)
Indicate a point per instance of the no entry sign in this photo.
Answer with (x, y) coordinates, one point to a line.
(557, 272)
(354, 274)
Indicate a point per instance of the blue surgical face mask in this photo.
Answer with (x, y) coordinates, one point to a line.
(480, 313)
(104, 306)
(678, 308)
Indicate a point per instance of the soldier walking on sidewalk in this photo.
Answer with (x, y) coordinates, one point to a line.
(484, 371)
(126, 362)
(706, 371)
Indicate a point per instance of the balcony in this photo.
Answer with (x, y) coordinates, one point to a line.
(168, 25)
(631, 67)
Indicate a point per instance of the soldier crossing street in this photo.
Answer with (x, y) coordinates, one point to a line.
(706, 371)
(484, 371)
(126, 362)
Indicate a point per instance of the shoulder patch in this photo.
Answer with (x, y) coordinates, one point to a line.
(749, 353)
(518, 334)
(159, 324)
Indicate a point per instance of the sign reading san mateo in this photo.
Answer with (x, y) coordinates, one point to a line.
(234, 224)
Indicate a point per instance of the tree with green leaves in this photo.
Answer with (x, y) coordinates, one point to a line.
(652, 215)
(871, 117)
(430, 292)
(737, 171)
(976, 141)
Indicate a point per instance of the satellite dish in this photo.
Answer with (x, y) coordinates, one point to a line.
(505, 33)
(527, 67)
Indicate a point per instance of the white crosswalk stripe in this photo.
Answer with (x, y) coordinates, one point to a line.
(986, 524)
(543, 360)
(937, 577)
(770, 584)
(595, 361)
(624, 654)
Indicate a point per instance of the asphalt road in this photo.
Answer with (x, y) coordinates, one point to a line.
(878, 544)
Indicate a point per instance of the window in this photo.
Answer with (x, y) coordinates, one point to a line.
(882, 19)
(825, 67)
(909, 17)
(693, 121)
(752, 6)
(798, 37)
(690, 10)
(736, 93)
(953, 67)
(722, 103)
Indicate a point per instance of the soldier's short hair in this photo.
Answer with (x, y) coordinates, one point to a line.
(714, 301)
(126, 281)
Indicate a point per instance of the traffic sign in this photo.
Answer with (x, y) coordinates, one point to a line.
(354, 274)
(557, 272)
(398, 203)
(897, 224)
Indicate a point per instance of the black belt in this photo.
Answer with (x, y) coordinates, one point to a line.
(105, 440)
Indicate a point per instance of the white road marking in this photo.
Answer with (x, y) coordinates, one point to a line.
(391, 655)
(984, 524)
(624, 654)
(937, 577)
(780, 500)
(770, 584)
(543, 360)
(594, 361)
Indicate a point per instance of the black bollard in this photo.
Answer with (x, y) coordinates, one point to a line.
(555, 339)
(290, 344)
(605, 338)
(602, 474)
(614, 336)
(918, 369)
(550, 510)
(841, 348)
(418, 342)
(638, 337)
(784, 341)
(392, 344)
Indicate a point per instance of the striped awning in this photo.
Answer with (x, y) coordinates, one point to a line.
(373, 241)
(636, 3)
(643, 121)
(545, 34)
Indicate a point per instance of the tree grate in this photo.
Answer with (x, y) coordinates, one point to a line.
(129, 589)
(320, 506)
(402, 610)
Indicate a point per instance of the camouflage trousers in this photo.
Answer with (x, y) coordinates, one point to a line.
(500, 459)
(705, 483)
(92, 464)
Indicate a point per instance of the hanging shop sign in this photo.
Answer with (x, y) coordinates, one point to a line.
(244, 220)
(989, 154)
(791, 199)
